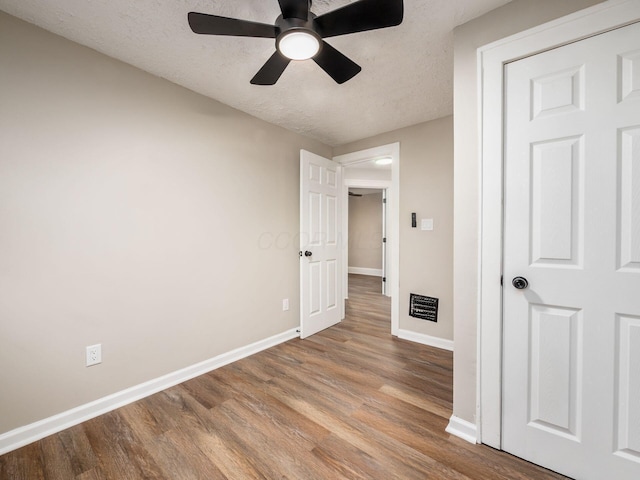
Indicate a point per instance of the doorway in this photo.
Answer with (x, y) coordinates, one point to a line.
(366, 219)
(365, 170)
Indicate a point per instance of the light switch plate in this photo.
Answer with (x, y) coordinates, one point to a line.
(426, 224)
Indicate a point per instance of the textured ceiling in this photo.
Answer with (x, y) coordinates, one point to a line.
(406, 78)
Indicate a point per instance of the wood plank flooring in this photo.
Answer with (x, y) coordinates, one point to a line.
(351, 402)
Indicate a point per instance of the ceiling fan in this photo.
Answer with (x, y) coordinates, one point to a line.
(300, 34)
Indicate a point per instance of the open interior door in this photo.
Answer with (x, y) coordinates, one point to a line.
(320, 244)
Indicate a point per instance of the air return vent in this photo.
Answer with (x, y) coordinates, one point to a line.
(424, 308)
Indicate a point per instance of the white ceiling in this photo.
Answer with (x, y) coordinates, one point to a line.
(406, 78)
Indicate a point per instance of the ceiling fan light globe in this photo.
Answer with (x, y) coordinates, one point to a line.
(298, 45)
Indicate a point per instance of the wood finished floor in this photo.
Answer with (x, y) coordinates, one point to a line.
(350, 402)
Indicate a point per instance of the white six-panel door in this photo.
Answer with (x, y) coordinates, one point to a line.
(571, 364)
(320, 244)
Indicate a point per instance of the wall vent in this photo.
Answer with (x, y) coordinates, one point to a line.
(422, 307)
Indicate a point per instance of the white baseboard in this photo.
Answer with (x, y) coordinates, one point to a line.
(27, 434)
(426, 339)
(463, 429)
(374, 272)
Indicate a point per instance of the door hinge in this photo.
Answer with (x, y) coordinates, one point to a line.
(501, 280)
(384, 200)
(384, 279)
(384, 239)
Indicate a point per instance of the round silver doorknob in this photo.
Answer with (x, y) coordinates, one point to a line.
(520, 283)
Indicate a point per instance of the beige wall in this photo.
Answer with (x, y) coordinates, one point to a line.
(365, 231)
(133, 213)
(514, 17)
(426, 187)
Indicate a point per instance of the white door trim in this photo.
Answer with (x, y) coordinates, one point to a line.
(385, 267)
(491, 60)
(393, 204)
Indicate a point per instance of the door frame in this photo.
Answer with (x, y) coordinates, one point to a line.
(393, 214)
(491, 60)
(385, 267)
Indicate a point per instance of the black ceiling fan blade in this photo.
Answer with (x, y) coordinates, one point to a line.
(337, 66)
(294, 9)
(271, 70)
(360, 17)
(215, 25)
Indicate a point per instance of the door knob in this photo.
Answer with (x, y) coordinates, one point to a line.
(307, 253)
(520, 283)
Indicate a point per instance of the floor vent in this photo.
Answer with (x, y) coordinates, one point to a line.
(424, 308)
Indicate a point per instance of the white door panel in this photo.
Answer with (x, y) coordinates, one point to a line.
(571, 365)
(629, 203)
(320, 279)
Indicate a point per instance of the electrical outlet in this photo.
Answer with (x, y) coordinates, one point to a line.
(285, 304)
(94, 354)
